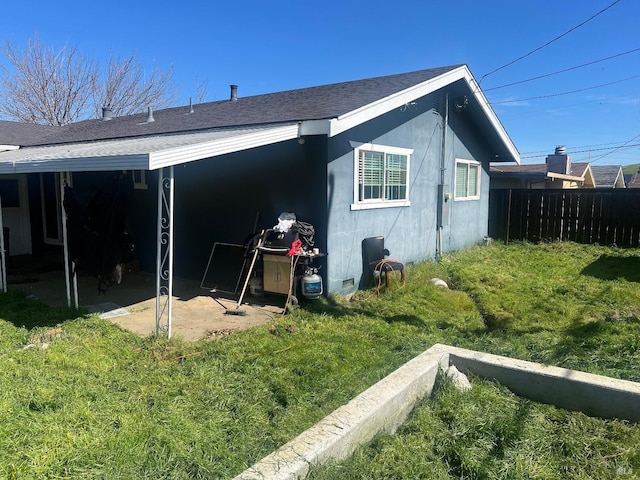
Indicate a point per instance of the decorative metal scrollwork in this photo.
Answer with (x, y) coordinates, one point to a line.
(164, 260)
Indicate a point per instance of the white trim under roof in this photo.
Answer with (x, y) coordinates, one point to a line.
(143, 153)
(8, 147)
(335, 126)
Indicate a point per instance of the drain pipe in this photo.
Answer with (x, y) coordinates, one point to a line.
(442, 169)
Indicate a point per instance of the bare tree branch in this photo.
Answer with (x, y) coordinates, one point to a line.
(127, 88)
(45, 86)
(42, 85)
(202, 88)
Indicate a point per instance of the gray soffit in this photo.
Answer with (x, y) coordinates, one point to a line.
(147, 153)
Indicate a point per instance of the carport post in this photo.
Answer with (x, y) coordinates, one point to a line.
(164, 257)
(3, 253)
(65, 242)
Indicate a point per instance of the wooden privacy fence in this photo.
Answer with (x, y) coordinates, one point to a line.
(605, 217)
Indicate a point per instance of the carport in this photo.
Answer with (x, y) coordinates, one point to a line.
(159, 153)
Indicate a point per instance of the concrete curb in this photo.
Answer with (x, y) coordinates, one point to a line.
(381, 408)
(385, 405)
(594, 395)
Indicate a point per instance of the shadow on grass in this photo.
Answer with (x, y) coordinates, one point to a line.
(21, 311)
(408, 319)
(609, 267)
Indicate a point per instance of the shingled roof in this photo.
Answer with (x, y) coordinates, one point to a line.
(217, 128)
(15, 133)
(608, 176)
(313, 103)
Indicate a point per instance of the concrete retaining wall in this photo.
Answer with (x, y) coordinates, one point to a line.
(594, 395)
(384, 406)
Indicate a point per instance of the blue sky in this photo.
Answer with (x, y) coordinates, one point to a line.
(267, 46)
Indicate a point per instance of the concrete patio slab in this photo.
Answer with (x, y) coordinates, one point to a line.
(197, 313)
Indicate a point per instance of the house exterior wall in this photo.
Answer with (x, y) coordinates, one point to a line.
(410, 232)
(230, 197)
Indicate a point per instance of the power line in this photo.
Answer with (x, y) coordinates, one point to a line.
(573, 148)
(624, 145)
(548, 43)
(566, 93)
(561, 71)
(591, 150)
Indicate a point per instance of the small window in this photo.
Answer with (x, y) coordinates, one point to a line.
(467, 180)
(381, 176)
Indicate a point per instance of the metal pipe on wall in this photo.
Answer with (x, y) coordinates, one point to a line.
(443, 155)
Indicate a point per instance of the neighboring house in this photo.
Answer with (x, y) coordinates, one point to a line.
(633, 181)
(403, 156)
(557, 172)
(608, 176)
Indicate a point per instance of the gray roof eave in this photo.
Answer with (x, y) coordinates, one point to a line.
(148, 153)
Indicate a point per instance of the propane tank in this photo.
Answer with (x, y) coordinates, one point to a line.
(311, 283)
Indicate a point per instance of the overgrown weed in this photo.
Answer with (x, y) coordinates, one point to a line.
(89, 400)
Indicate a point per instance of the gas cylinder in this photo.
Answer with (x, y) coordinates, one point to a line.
(311, 283)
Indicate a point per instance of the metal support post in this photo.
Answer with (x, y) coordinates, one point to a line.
(70, 276)
(164, 258)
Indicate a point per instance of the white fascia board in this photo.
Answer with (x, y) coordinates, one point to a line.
(335, 126)
(384, 105)
(213, 148)
(491, 116)
(562, 176)
(4, 148)
(315, 127)
(78, 164)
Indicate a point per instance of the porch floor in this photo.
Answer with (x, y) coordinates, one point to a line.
(196, 313)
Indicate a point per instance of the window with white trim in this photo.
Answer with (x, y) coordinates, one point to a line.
(381, 176)
(467, 180)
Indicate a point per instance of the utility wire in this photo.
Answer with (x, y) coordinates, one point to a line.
(542, 153)
(566, 93)
(548, 43)
(615, 149)
(562, 71)
(590, 150)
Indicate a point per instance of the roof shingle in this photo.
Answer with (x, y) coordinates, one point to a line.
(313, 103)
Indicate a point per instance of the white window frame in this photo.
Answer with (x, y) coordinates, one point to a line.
(469, 164)
(378, 203)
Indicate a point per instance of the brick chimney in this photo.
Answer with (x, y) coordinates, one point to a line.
(559, 162)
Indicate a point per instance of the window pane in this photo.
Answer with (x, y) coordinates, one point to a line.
(371, 166)
(461, 179)
(396, 177)
(473, 180)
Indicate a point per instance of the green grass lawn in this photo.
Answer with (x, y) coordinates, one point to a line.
(99, 402)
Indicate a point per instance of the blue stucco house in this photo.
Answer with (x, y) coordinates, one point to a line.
(404, 156)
